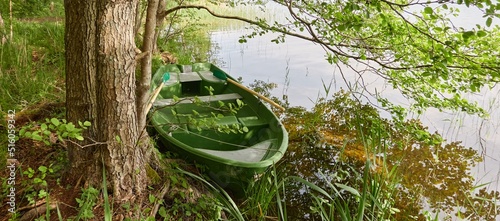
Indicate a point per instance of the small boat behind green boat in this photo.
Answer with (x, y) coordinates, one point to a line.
(216, 124)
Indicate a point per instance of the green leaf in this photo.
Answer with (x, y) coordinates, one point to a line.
(341, 27)
(438, 29)
(481, 33)
(87, 124)
(36, 137)
(174, 180)
(163, 212)
(152, 198)
(70, 127)
(80, 138)
(118, 139)
(466, 35)
(184, 184)
(42, 193)
(239, 102)
(43, 126)
(42, 169)
(428, 10)
(348, 189)
(489, 21)
(55, 121)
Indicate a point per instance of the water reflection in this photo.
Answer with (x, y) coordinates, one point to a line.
(326, 141)
(433, 177)
(299, 67)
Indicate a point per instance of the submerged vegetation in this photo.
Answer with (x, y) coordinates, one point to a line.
(345, 161)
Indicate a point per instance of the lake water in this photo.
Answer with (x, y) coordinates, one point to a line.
(301, 71)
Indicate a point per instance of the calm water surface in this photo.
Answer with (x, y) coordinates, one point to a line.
(301, 71)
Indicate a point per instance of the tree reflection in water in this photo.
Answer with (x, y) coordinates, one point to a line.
(333, 141)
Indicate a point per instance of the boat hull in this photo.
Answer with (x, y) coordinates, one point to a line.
(220, 126)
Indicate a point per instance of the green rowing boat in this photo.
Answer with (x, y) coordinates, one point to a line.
(216, 124)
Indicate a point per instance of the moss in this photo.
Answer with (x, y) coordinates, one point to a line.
(153, 175)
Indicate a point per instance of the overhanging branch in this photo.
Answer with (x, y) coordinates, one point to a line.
(315, 39)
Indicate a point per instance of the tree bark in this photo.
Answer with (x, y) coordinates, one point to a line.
(101, 88)
(125, 156)
(145, 80)
(81, 68)
(159, 23)
(138, 18)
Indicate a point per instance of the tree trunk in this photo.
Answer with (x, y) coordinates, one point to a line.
(125, 156)
(159, 23)
(138, 18)
(145, 80)
(81, 101)
(100, 84)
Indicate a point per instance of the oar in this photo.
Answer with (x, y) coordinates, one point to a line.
(223, 76)
(166, 77)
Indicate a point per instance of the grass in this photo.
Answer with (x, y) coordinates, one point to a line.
(31, 69)
(221, 196)
(32, 65)
(263, 197)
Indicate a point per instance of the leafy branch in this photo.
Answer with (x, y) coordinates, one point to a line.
(53, 130)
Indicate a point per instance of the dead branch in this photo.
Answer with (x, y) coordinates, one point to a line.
(37, 204)
(140, 56)
(160, 196)
(37, 211)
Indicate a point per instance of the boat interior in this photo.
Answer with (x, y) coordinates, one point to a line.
(198, 97)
